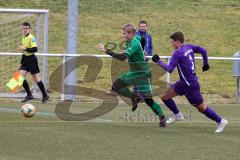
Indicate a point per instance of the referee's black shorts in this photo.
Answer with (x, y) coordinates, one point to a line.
(30, 64)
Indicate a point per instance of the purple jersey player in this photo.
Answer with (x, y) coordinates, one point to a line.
(183, 59)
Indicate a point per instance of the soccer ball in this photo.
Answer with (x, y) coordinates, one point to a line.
(28, 110)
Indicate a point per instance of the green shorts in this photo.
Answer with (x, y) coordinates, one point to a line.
(140, 79)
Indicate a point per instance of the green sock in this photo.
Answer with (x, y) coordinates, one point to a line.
(156, 108)
(125, 92)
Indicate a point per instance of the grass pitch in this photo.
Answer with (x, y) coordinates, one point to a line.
(121, 134)
(117, 135)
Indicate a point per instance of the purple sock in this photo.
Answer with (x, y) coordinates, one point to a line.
(210, 113)
(171, 105)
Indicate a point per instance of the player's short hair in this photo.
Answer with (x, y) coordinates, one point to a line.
(142, 22)
(129, 28)
(26, 24)
(177, 36)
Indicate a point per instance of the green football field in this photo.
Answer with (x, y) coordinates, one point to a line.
(118, 135)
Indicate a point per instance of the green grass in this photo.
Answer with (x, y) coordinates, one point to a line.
(213, 24)
(127, 136)
(122, 134)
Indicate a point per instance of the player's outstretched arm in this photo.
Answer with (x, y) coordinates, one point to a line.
(169, 68)
(119, 56)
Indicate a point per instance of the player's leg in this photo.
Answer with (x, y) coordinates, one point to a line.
(176, 89)
(23, 71)
(36, 77)
(120, 86)
(168, 101)
(211, 114)
(156, 108)
(145, 89)
(195, 98)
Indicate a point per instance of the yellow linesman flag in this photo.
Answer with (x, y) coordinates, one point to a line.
(16, 81)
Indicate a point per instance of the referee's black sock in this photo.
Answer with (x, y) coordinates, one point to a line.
(42, 88)
(26, 87)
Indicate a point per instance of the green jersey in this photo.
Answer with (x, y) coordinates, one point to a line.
(135, 55)
(139, 73)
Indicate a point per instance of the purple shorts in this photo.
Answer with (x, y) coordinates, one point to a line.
(192, 92)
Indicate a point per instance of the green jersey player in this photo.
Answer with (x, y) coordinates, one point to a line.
(138, 74)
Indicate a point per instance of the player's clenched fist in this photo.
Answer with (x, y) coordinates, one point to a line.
(102, 47)
(205, 67)
(155, 58)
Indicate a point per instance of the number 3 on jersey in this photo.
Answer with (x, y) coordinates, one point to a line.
(193, 65)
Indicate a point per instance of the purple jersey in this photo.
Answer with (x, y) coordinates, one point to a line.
(183, 59)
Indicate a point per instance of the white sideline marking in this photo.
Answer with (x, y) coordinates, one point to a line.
(19, 111)
(49, 115)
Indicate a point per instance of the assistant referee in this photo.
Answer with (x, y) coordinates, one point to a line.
(29, 62)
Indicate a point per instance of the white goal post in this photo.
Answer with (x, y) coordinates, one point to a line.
(10, 39)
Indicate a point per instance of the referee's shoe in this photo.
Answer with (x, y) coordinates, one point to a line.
(44, 100)
(27, 98)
